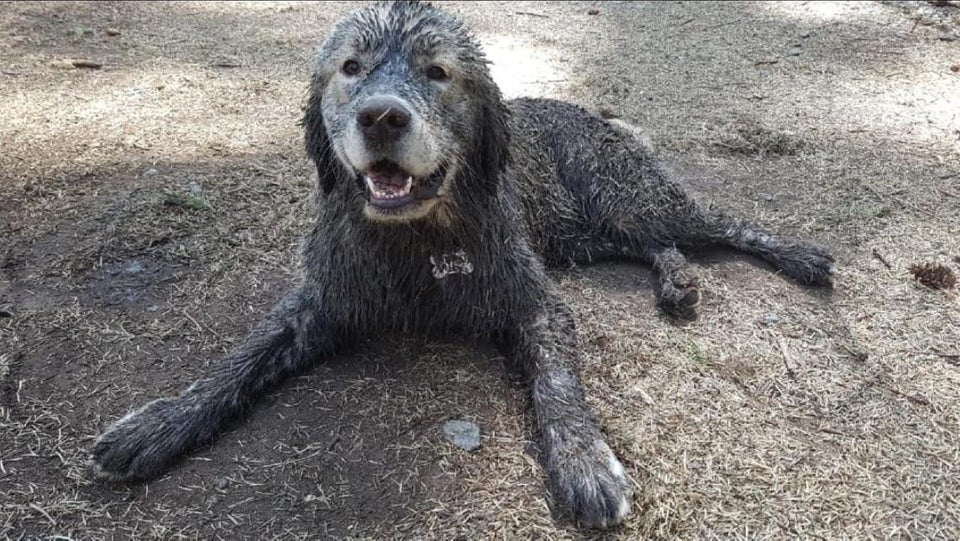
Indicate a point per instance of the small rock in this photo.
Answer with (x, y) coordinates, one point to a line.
(771, 319)
(806, 35)
(593, 12)
(6, 310)
(794, 51)
(767, 197)
(195, 188)
(113, 32)
(150, 172)
(463, 434)
(153, 308)
(955, 68)
(134, 268)
(221, 483)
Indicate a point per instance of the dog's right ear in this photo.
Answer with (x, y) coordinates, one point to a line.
(317, 141)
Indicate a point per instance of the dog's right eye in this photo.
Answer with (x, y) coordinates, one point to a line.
(350, 67)
(436, 73)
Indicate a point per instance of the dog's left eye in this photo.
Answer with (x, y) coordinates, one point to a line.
(436, 73)
(350, 67)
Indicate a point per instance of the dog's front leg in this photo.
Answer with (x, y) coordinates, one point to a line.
(585, 477)
(148, 441)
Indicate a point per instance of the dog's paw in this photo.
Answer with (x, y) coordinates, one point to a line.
(590, 484)
(143, 444)
(808, 264)
(679, 296)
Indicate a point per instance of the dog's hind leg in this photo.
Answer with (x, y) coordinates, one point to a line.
(585, 477)
(678, 286)
(147, 442)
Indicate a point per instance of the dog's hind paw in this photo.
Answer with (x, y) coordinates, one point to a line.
(591, 485)
(142, 445)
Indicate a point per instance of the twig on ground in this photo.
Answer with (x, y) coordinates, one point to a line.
(879, 256)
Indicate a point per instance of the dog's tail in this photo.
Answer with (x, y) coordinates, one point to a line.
(806, 262)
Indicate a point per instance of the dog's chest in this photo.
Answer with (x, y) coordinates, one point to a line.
(449, 263)
(431, 290)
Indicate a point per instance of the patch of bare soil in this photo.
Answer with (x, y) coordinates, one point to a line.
(153, 190)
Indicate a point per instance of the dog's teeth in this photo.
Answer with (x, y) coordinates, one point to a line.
(393, 192)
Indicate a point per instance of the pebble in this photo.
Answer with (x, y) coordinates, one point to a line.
(150, 172)
(771, 319)
(194, 188)
(221, 483)
(134, 268)
(463, 434)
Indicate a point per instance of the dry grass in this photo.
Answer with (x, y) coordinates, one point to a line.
(782, 412)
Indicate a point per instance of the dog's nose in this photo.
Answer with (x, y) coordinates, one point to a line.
(383, 119)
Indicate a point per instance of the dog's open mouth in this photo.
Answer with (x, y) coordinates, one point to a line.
(388, 186)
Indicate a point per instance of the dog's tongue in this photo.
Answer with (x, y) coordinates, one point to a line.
(388, 179)
(388, 184)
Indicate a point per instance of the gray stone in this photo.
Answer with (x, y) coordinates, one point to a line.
(771, 319)
(463, 434)
(150, 172)
(195, 188)
(134, 267)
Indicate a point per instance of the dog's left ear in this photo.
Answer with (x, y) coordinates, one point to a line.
(491, 140)
(317, 141)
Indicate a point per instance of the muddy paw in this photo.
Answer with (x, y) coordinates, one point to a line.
(590, 485)
(143, 444)
(679, 297)
(807, 263)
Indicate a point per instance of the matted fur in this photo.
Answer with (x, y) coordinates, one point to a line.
(525, 185)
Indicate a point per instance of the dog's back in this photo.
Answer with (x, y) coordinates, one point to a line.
(584, 179)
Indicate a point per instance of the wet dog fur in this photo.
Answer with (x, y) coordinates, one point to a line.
(441, 206)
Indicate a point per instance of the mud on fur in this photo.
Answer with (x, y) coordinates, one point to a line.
(441, 206)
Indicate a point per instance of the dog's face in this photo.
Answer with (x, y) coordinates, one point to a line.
(402, 99)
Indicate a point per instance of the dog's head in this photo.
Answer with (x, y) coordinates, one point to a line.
(403, 114)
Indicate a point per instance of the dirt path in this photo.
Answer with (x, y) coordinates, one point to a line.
(150, 211)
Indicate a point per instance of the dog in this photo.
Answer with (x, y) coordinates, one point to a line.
(441, 206)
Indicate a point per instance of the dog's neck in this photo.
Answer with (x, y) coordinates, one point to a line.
(467, 217)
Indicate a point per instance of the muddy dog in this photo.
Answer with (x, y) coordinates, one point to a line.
(441, 206)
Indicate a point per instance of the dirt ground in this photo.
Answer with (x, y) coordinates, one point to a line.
(150, 212)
